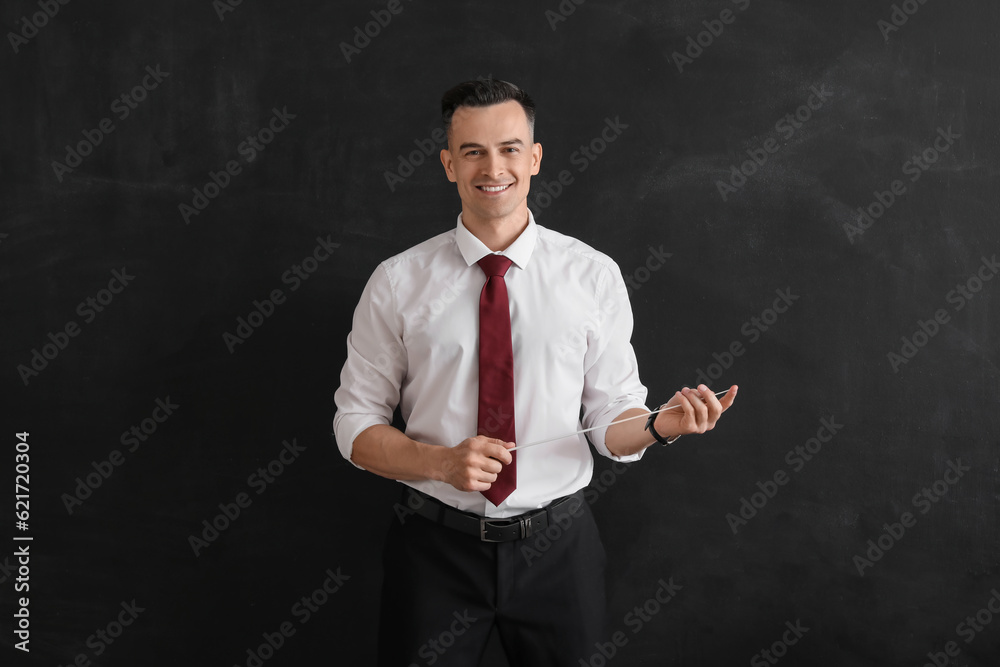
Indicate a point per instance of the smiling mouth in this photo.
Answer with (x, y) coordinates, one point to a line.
(493, 188)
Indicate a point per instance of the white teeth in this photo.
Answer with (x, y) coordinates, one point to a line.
(498, 188)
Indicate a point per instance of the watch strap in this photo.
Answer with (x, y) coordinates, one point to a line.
(652, 431)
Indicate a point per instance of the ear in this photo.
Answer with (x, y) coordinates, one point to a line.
(536, 159)
(446, 160)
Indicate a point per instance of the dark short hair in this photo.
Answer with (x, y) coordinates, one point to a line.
(485, 93)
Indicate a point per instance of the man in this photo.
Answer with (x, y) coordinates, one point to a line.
(505, 329)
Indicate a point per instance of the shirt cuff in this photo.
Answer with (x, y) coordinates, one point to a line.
(347, 427)
(597, 436)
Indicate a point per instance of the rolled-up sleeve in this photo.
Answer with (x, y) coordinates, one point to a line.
(375, 366)
(611, 381)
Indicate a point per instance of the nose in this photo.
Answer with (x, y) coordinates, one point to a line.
(492, 166)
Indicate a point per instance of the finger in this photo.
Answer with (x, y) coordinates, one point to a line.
(711, 404)
(704, 407)
(729, 397)
(498, 441)
(688, 420)
(495, 448)
(699, 409)
(478, 486)
(499, 452)
(491, 466)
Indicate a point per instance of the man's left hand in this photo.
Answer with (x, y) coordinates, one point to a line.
(700, 410)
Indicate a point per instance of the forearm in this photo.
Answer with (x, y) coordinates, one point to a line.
(388, 452)
(625, 438)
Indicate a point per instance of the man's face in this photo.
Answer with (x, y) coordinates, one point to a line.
(491, 157)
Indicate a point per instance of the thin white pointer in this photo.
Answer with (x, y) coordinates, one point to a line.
(594, 428)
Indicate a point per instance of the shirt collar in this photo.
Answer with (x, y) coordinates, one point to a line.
(518, 252)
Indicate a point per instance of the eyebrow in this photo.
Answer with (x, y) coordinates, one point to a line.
(509, 142)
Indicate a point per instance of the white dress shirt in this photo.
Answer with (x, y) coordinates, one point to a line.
(415, 343)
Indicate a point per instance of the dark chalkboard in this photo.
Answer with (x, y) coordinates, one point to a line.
(803, 198)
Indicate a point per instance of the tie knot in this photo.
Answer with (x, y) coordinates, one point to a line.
(494, 265)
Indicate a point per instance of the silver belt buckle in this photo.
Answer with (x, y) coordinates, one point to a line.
(523, 521)
(483, 523)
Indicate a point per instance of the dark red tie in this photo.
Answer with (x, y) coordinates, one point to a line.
(496, 370)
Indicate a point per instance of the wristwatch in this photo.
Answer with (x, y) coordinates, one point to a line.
(659, 438)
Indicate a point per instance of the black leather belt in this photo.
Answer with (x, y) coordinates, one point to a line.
(484, 528)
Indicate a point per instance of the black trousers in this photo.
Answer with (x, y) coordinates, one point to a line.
(443, 591)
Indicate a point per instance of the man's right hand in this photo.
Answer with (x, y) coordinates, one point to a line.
(473, 464)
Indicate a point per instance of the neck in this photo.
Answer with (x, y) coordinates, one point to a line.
(497, 233)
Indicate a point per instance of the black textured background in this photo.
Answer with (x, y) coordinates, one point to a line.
(63, 234)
